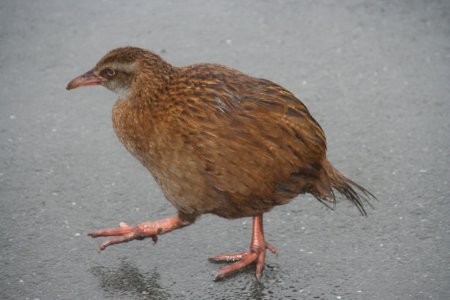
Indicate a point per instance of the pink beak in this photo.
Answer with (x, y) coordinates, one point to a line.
(87, 79)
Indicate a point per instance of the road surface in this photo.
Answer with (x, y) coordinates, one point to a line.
(376, 75)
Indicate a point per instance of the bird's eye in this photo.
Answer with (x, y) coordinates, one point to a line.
(108, 73)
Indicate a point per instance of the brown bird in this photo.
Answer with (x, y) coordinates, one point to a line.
(216, 141)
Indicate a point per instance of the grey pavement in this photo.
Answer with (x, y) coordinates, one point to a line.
(375, 74)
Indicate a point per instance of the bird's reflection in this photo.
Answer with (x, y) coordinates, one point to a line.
(256, 290)
(244, 285)
(128, 280)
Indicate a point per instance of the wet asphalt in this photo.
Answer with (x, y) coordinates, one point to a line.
(375, 74)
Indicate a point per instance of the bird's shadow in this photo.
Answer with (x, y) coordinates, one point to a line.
(128, 280)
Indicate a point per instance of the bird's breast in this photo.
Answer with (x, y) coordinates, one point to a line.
(135, 130)
(154, 140)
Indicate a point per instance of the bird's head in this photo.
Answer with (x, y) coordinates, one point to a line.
(122, 70)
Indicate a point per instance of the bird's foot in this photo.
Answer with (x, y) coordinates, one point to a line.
(125, 233)
(242, 260)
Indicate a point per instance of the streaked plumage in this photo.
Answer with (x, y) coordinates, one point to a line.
(217, 140)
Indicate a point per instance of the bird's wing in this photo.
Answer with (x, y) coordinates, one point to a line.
(251, 134)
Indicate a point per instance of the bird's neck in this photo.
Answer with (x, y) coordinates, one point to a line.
(150, 86)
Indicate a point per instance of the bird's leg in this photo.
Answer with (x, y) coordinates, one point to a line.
(257, 253)
(126, 233)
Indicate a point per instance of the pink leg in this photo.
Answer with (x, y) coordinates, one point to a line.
(257, 253)
(126, 233)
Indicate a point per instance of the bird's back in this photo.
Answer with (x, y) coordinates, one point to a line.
(247, 142)
(219, 141)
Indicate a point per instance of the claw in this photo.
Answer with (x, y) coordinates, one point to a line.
(123, 225)
(257, 254)
(125, 233)
(260, 264)
(117, 240)
(258, 276)
(228, 257)
(271, 248)
(244, 262)
(111, 232)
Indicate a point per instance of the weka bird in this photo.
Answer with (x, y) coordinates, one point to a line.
(216, 141)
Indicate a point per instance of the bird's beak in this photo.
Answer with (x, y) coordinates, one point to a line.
(88, 78)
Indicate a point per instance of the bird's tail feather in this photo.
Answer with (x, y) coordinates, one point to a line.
(332, 180)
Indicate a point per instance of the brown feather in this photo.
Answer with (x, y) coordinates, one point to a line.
(219, 141)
